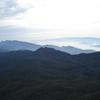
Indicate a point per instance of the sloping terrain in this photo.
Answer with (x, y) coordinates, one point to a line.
(48, 74)
(49, 63)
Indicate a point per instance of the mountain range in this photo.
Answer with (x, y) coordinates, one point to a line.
(49, 74)
(47, 63)
(8, 45)
(17, 45)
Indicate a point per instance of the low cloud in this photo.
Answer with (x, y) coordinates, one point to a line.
(88, 41)
(97, 45)
(13, 29)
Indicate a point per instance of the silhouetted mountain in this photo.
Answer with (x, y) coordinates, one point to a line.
(70, 49)
(17, 45)
(49, 74)
(49, 63)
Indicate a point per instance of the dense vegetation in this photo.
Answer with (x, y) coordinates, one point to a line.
(49, 90)
(48, 63)
(48, 74)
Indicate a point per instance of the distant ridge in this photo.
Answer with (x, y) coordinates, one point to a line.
(18, 45)
(70, 49)
(8, 45)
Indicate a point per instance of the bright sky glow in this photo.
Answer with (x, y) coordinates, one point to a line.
(45, 19)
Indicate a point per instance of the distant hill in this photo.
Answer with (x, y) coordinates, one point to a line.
(17, 45)
(70, 49)
(48, 63)
(6, 46)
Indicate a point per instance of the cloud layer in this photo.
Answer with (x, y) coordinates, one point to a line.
(10, 8)
(48, 19)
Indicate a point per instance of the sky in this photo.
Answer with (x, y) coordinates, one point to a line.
(39, 20)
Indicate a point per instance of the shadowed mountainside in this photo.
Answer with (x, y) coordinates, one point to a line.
(48, 74)
(49, 63)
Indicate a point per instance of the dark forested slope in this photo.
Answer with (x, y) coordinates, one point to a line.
(49, 63)
(48, 74)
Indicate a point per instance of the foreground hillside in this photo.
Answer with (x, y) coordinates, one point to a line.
(49, 63)
(48, 74)
(49, 90)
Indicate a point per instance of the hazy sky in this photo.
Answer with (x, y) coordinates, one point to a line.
(44, 19)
